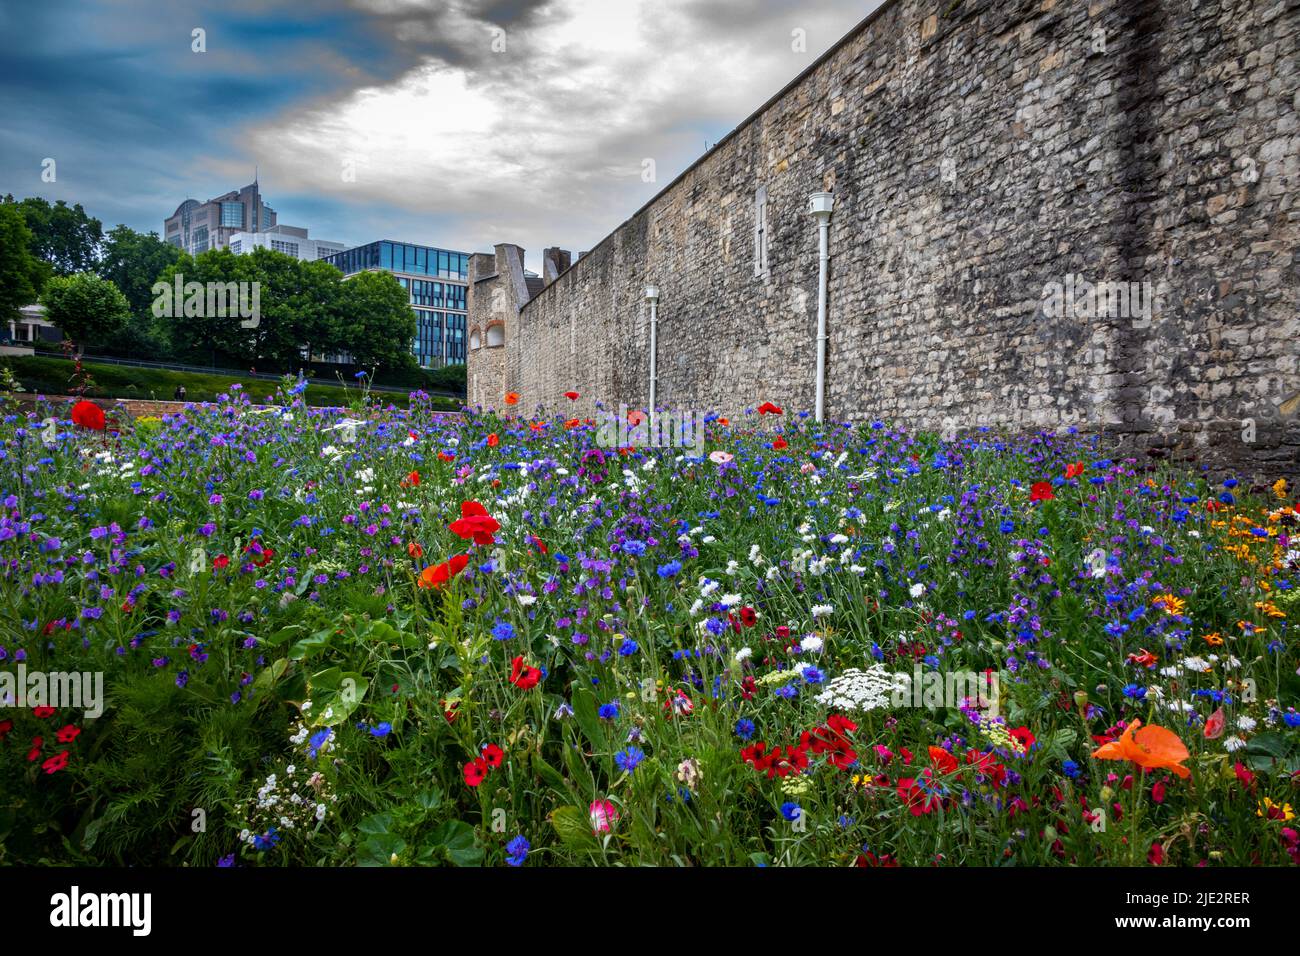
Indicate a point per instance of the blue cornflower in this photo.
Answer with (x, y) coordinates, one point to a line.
(788, 691)
(267, 840)
(319, 740)
(812, 675)
(791, 811)
(517, 850)
(1291, 718)
(503, 630)
(744, 728)
(628, 759)
(1135, 691)
(627, 648)
(634, 547)
(608, 711)
(1070, 769)
(669, 570)
(381, 730)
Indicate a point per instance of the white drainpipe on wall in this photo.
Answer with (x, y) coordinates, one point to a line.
(819, 207)
(652, 297)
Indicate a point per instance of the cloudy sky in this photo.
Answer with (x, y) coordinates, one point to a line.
(457, 123)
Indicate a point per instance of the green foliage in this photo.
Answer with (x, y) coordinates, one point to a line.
(378, 324)
(62, 235)
(87, 309)
(21, 274)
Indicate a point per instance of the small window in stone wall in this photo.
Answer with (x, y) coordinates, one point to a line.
(474, 340)
(496, 336)
(760, 231)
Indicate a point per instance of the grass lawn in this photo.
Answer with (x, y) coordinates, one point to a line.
(50, 376)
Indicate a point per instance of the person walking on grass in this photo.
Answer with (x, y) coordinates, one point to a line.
(180, 393)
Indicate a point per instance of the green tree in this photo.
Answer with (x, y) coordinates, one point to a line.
(20, 271)
(62, 235)
(377, 322)
(89, 310)
(133, 261)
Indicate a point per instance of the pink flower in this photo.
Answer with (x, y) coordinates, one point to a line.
(720, 457)
(604, 815)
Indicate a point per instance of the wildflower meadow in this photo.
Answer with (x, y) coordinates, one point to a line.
(284, 635)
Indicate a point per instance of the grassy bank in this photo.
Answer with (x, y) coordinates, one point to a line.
(50, 376)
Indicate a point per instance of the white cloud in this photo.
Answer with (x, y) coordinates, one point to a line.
(543, 143)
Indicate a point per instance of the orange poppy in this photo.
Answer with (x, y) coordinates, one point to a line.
(436, 575)
(512, 398)
(493, 441)
(1151, 748)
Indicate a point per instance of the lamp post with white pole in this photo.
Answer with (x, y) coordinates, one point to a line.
(652, 299)
(819, 207)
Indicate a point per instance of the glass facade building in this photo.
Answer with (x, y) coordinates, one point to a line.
(436, 281)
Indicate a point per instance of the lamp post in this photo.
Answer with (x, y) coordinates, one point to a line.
(652, 299)
(819, 207)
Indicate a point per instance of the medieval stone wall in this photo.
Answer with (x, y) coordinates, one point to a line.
(979, 153)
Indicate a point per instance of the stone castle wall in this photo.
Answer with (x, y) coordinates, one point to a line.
(978, 152)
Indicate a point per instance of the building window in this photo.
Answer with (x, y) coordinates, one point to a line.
(289, 248)
(236, 246)
(760, 231)
(232, 214)
(474, 341)
(496, 335)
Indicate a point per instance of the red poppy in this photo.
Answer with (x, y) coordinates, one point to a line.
(1041, 491)
(88, 415)
(411, 481)
(220, 562)
(917, 794)
(475, 523)
(572, 396)
(635, 417)
(415, 550)
(493, 755)
(261, 555)
(449, 711)
(1214, 725)
(748, 616)
(476, 771)
(493, 441)
(538, 543)
(944, 761)
(1025, 738)
(523, 676)
(5, 727)
(572, 423)
(779, 444)
(35, 752)
(1073, 470)
(767, 408)
(436, 575)
(56, 763)
(41, 713)
(68, 734)
(446, 457)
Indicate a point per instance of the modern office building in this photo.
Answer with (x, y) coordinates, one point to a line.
(242, 221)
(436, 281)
(291, 240)
(196, 227)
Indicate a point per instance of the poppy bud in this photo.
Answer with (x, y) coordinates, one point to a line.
(1081, 700)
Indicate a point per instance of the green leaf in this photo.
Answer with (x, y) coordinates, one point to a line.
(310, 646)
(378, 850)
(335, 694)
(456, 837)
(573, 827)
